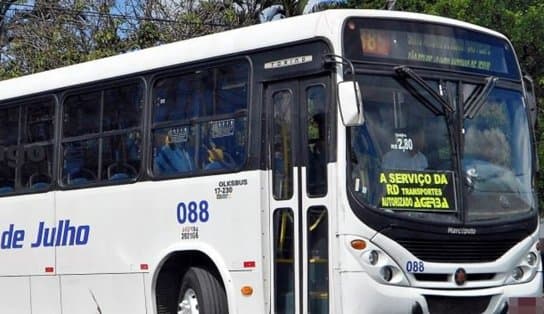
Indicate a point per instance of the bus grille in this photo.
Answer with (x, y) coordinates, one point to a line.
(455, 305)
(455, 251)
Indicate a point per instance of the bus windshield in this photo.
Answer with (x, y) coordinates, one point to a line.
(496, 158)
(400, 150)
(402, 159)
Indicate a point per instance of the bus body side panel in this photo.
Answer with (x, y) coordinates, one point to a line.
(104, 293)
(15, 295)
(131, 225)
(45, 294)
(23, 252)
(26, 221)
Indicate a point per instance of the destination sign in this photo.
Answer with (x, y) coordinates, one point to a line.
(419, 43)
(417, 190)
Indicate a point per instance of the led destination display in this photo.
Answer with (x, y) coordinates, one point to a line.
(410, 43)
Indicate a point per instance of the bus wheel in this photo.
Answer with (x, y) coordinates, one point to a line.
(201, 293)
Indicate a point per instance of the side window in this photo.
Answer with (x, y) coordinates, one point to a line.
(102, 135)
(9, 119)
(122, 115)
(200, 121)
(26, 146)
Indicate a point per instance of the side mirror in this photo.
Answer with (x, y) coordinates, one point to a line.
(531, 99)
(351, 105)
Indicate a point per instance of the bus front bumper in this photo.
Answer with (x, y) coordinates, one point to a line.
(361, 294)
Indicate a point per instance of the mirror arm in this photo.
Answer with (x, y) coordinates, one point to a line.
(336, 59)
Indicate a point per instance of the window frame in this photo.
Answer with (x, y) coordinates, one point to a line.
(101, 87)
(21, 105)
(152, 126)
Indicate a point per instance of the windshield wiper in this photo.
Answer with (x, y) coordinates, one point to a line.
(476, 102)
(405, 71)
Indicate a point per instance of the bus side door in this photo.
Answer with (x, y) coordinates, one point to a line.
(300, 150)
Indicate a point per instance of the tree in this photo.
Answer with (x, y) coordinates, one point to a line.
(51, 34)
(5, 7)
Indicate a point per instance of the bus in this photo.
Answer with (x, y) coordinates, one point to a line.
(346, 161)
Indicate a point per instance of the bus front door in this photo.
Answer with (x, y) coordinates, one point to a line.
(300, 149)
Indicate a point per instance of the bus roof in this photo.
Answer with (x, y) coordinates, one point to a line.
(322, 24)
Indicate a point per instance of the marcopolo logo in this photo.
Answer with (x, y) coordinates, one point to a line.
(14, 156)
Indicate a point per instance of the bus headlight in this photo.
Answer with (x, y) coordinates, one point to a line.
(378, 264)
(531, 258)
(387, 273)
(517, 273)
(373, 257)
(525, 270)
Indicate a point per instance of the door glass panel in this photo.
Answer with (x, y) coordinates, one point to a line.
(284, 261)
(316, 180)
(318, 260)
(282, 163)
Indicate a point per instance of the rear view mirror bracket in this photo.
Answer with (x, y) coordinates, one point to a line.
(349, 94)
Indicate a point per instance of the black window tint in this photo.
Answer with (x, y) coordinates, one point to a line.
(200, 120)
(284, 261)
(111, 147)
(8, 164)
(176, 98)
(80, 162)
(318, 260)
(121, 155)
(39, 122)
(82, 114)
(122, 107)
(205, 90)
(231, 93)
(36, 170)
(223, 143)
(26, 146)
(316, 179)
(174, 150)
(282, 163)
(9, 130)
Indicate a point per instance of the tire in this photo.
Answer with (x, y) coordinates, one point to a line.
(201, 293)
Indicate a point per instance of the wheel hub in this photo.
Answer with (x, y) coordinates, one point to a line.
(189, 303)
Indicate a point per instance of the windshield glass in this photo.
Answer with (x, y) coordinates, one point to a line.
(401, 158)
(497, 159)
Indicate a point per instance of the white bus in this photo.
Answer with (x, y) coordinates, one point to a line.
(346, 161)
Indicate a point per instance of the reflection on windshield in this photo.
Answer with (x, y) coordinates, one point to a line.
(401, 159)
(401, 137)
(497, 161)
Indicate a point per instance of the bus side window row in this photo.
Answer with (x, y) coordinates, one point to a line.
(102, 131)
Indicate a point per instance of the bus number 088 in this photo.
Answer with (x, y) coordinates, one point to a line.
(193, 212)
(415, 266)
